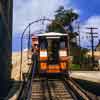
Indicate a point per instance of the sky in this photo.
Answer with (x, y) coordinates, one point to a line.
(26, 11)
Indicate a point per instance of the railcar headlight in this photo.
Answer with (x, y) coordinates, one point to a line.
(43, 53)
(62, 53)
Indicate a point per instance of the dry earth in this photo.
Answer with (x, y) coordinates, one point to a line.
(16, 56)
(15, 74)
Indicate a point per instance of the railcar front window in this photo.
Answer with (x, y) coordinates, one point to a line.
(53, 46)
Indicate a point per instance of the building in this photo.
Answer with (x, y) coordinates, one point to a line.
(5, 45)
(96, 54)
(98, 46)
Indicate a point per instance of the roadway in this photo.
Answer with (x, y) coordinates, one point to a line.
(93, 76)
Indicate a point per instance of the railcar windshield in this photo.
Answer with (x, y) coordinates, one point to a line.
(53, 47)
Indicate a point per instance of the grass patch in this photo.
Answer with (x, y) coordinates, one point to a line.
(75, 67)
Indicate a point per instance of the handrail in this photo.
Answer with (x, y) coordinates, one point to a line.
(33, 74)
(25, 92)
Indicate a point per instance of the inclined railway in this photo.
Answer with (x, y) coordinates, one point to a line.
(57, 89)
(48, 77)
(50, 89)
(46, 88)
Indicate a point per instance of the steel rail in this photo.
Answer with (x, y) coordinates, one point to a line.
(74, 90)
(79, 91)
(86, 93)
(55, 90)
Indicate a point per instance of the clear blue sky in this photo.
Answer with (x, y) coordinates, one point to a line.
(87, 8)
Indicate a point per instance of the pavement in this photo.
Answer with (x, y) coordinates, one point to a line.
(93, 76)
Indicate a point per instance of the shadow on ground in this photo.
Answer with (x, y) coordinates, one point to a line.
(13, 88)
(89, 86)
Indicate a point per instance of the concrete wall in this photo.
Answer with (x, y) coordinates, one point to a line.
(5, 45)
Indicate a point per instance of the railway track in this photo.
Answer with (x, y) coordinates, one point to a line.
(52, 89)
(58, 90)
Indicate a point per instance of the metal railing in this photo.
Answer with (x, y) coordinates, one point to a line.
(25, 92)
(32, 78)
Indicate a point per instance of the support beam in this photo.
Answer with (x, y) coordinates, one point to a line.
(5, 45)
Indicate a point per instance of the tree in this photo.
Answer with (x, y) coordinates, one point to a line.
(65, 18)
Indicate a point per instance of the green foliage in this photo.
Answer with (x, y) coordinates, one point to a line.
(64, 17)
(80, 58)
(75, 67)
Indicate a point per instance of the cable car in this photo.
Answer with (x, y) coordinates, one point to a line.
(53, 53)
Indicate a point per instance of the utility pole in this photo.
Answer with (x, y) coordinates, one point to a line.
(92, 42)
(78, 30)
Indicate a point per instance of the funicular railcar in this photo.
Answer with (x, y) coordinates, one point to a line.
(53, 53)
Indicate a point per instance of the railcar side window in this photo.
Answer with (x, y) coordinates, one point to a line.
(62, 45)
(43, 44)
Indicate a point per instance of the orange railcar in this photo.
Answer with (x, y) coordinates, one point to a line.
(53, 53)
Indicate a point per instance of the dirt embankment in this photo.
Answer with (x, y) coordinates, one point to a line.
(16, 64)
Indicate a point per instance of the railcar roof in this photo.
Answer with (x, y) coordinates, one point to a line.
(52, 34)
